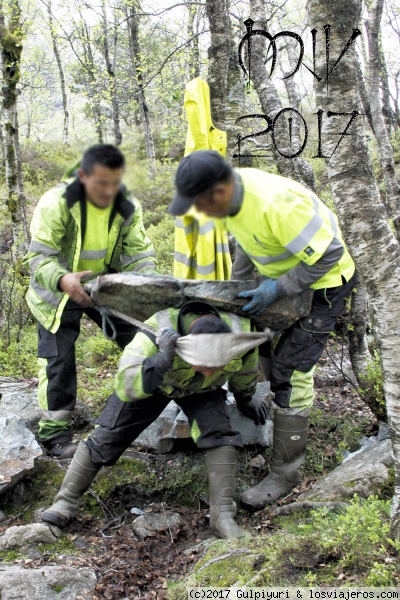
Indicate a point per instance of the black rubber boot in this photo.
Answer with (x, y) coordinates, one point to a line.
(77, 480)
(221, 465)
(288, 453)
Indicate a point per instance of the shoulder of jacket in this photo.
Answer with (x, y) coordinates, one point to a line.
(164, 318)
(238, 324)
(133, 200)
(54, 197)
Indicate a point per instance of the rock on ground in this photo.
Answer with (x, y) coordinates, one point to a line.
(150, 524)
(22, 535)
(18, 450)
(362, 473)
(21, 399)
(46, 583)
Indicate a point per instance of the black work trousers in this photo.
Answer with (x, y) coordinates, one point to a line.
(57, 368)
(120, 423)
(301, 346)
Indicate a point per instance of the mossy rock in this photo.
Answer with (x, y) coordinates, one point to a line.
(36, 490)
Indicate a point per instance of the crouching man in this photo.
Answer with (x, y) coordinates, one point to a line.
(150, 375)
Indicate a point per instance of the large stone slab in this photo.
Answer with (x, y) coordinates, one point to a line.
(172, 425)
(18, 450)
(361, 473)
(18, 397)
(47, 583)
(140, 296)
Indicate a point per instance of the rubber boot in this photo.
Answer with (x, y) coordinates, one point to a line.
(77, 480)
(288, 453)
(221, 465)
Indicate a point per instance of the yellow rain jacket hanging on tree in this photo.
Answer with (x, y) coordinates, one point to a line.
(201, 251)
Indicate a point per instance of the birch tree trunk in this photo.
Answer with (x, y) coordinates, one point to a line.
(110, 66)
(364, 220)
(381, 133)
(364, 95)
(388, 113)
(219, 58)
(65, 136)
(10, 55)
(2, 146)
(134, 46)
(194, 50)
(304, 169)
(359, 318)
(271, 103)
(88, 64)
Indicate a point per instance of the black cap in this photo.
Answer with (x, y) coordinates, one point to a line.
(199, 307)
(197, 172)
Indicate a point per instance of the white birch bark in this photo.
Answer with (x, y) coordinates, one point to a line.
(364, 220)
(381, 133)
(10, 54)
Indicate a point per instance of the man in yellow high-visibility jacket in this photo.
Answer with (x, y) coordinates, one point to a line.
(85, 226)
(294, 240)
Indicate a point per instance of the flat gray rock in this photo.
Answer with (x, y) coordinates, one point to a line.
(47, 583)
(172, 425)
(21, 399)
(18, 450)
(150, 524)
(362, 473)
(23, 535)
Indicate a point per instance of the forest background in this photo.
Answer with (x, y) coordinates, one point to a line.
(74, 73)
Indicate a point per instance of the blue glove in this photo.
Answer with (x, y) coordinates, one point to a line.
(262, 296)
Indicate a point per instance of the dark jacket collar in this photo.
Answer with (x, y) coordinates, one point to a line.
(75, 192)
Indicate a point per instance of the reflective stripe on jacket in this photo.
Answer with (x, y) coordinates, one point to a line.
(57, 230)
(201, 250)
(281, 224)
(241, 373)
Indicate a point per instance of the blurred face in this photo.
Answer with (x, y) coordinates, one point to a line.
(101, 185)
(216, 201)
(207, 371)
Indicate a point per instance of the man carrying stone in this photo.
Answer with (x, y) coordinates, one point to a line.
(79, 229)
(198, 351)
(293, 240)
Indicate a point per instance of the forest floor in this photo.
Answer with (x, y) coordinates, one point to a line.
(134, 569)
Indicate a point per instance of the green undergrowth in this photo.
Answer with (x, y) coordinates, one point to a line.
(320, 548)
(330, 436)
(97, 361)
(19, 359)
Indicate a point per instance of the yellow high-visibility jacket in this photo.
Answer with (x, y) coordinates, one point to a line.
(282, 224)
(201, 251)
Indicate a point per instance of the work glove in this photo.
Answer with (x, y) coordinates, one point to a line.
(253, 409)
(166, 345)
(262, 296)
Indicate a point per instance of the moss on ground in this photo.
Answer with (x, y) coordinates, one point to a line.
(36, 490)
(132, 480)
(319, 548)
(10, 556)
